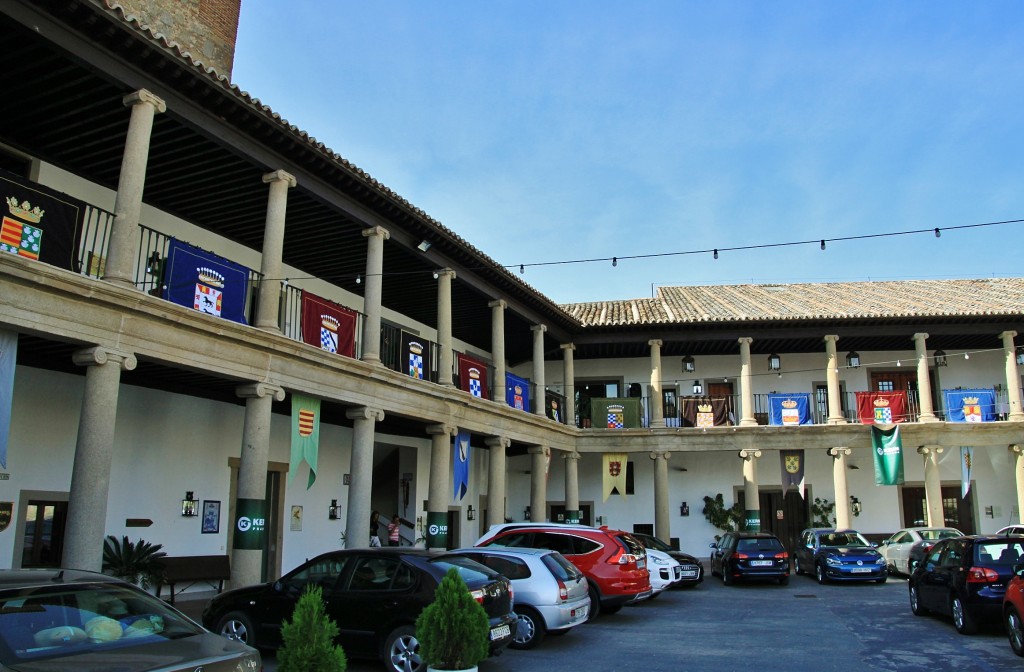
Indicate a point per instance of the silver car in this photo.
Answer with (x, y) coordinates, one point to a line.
(550, 594)
(55, 619)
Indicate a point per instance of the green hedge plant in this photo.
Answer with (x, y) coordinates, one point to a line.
(453, 631)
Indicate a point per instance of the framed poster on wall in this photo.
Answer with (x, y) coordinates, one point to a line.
(211, 516)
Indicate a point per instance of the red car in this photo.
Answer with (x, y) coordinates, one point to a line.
(613, 561)
(1013, 612)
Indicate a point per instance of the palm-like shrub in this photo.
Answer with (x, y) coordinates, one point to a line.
(137, 562)
(453, 629)
(309, 638)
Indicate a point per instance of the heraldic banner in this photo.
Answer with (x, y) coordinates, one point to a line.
(472, 376)
(517, 392)
(882, 408)
(615, 412)
(789, 409)
(305, 435)
(553, 407)
(328, 325)
(970, 405)
(415, 357)
(205, 282)
(966, 470)
(888, 450)
(460, 463)
(40, 223)
(614, 475)
(704, 412)
(792, 470)
(8, 361)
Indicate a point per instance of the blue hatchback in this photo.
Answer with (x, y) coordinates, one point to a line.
(838, 555)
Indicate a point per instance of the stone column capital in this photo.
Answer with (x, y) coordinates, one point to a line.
(568, 347)
(498, 442)
(442, 428)
(920, 336)
(538, 327)
(99, 355)
(831, 338)
(1007, 334)
(365, 413)
(445, 273)
(749, 454)
(260, 390)
(571, 455)
(145, 96)
(373, 231)
(280, 176)
(538, 450)
(840, 451)
(498, 303)
(660, 455)
(745, 340)
(655, 343)
(1016, 448)
(926, 450)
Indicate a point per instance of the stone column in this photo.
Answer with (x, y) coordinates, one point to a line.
(496, 474)
(926, 412)
(662, 522)
(752, 500)
(249, 541)
(123, 247)
(746, 389)
(933, 485)
(656, 401)
(1012, 376)
(569, 375)
(440, 486)
(498, 349)
(1017, 450)
(835, 404)
(375, 235)
(273, 249)
(360, 490)
(572, 487)
(839, 482)
(94, 452)
(538, 368)
(539, 483)
(445, 352)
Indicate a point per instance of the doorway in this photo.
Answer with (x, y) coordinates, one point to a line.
(557, 512)
(958, 513)
(43, 543)
(785, 517)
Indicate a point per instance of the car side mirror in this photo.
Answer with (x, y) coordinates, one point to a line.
(1018, 569)
(713, 545)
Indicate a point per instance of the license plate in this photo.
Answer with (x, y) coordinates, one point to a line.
(500, 632)
(640, 563)
(860, 570)
(692, 574)
(760, 563)
(579, 612)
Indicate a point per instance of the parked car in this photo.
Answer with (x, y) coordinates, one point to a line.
(838, 555)
(58, 619)
(613, 561)
(690, 567)
(373, 594)
(749, 555)
(664, 570)
(965, 578)
(551, 595)
(907, 547)
(1013, 611)
(1011, 529)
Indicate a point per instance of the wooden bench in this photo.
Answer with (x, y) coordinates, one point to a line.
(193, 569)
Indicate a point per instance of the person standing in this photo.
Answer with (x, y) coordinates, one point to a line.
(394, 529)
(375, 529)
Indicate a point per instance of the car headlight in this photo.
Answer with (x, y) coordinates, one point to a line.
(659, 561)
(833, 561)
(879, 560)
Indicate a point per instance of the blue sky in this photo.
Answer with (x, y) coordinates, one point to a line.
(567, 129)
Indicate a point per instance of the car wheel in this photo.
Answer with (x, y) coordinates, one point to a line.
(796, 564)
(963, 621)
(881, 580)
(891, 567)
(402, 651)
(530, 629)
(726, 576)
(915, 602)
(713, 572)
(595, 604)
(911, 566)
(1015, 630)
(238, 627)
(819, 573)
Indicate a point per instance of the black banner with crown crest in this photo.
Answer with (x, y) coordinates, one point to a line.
(40, 223)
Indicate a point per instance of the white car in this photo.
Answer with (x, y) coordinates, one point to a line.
(904, 549)
(664, 570)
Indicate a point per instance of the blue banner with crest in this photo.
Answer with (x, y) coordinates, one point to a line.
(203, 281)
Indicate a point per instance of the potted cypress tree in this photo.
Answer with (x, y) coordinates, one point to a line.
(309, 638)
(453, 630)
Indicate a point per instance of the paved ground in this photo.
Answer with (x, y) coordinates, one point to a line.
(802, 626)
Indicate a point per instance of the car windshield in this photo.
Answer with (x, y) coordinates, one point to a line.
(935, 535)
(653, 542)
(843, 539)
(1006, 553)
(759, 545)
(71, 619)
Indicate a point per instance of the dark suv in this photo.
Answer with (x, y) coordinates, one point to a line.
(750, 555)
(613, 561)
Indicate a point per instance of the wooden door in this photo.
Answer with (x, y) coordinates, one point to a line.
(44, 533)
(959, 513)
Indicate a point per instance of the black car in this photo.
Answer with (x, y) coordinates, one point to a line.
(838, 555)
(749, 555)
(692, 569)
(374, 595)
(60, 619)
(965, 578)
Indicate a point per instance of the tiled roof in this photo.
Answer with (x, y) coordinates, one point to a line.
(828, 301)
